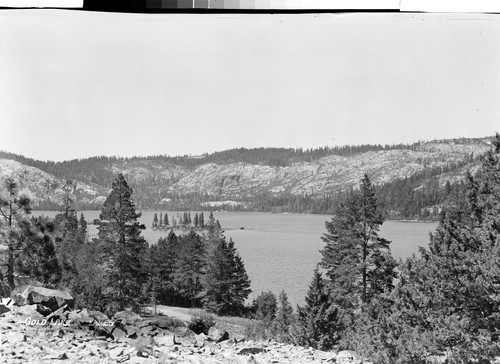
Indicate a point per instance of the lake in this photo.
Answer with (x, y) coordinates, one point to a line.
(280, 251)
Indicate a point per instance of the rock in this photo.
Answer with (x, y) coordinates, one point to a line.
(167, 340)
(15, 337)
(217, 335)
(28, 311)
(104, 331)
(3, 309)
(348, 357)
(118, 333)
(51, 298)
(127, 318)
(132, 330)
(115, 353)
(99, 316)
(44, 311)
(146, 330)
(248, 351)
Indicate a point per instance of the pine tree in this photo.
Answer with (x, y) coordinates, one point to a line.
(358, 261)
(160, 220)
(284, 318)
(155, 220)
(122, 245)
(190, 268)
(13, 210)
(201, 222)
(319, 322)
(163, 259)
(39, 260)
(166, 223)
(82, 229)
(226, 283)
(266, 306)
(195, 221)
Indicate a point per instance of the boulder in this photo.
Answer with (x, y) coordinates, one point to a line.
(50, 298)
(118, 333)
(99, 316)
(348, 357)
(127, 318)
(132, 331)
(44, 311)
(3, 309)
(167, 340)
(217, 335)
(28, 311)
(250, 351)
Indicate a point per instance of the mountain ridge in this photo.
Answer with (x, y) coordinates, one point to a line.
(242, 175)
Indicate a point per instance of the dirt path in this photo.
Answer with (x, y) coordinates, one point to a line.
(177, 312)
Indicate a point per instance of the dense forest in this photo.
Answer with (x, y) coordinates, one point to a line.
(440, 306)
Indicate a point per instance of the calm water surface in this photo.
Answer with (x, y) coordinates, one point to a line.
(280, 251)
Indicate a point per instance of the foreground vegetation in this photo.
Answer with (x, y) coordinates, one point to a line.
(444, 302)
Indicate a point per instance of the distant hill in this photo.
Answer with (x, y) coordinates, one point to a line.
(263, 179)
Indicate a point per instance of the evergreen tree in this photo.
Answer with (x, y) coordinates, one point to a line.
(164, 258)
(226, 283)
(39, 260)
(201, 221)
(358, 262)
(122, 245)
(166, 223)
(82, 229)
(160, 223)
(284, 318)
(265, 305)
(195, 221)
(67, 240)
(319, 322)
(155, 220)
(174, 222)
(190, 268)
(13, 210)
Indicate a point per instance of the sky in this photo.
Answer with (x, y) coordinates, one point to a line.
(79, 84)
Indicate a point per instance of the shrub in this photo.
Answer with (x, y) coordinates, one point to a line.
(201, 322)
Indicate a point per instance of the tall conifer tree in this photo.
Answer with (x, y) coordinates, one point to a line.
(122, 245)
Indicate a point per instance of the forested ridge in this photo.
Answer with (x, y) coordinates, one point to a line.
(162, 182)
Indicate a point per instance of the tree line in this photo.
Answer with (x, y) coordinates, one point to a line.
(118, 269)
(184, 221)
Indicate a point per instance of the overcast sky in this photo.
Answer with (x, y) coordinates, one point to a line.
(78, 84)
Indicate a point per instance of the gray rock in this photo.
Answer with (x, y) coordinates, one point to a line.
(44, 311)
(118, 333)
(167, 340)
(127, 318)
(348, 357)
(250, 351)
(115, 353)
(51, 298)
(217, 335)
(15, 337)
(3, 309)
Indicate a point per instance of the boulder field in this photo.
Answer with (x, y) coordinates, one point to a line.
(31, 332)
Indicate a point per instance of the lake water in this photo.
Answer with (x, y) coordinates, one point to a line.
(280, 251)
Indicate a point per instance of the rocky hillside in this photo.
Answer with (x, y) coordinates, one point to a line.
(40, 326)
(44, 187)
(186, 182)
